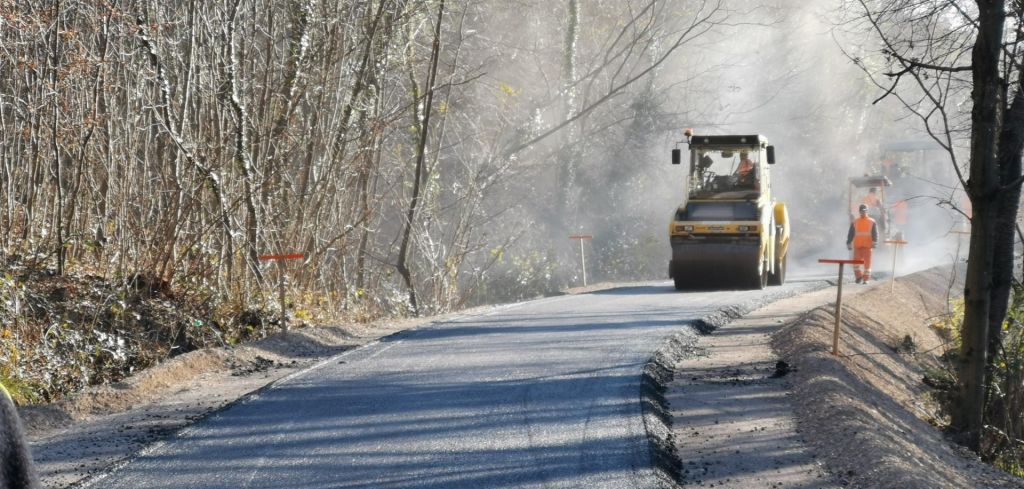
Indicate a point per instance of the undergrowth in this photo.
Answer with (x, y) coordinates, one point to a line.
(1003, 440)
(60, 334)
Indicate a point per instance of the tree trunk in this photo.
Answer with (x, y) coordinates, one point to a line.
(54, 127)
(982, 189)
(242, 155)
(568, 155)
(403, 251)
(1011, 142)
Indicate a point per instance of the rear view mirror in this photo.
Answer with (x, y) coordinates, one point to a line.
(676, 156)
(771, 155)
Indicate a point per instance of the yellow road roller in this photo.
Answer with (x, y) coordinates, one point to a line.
(730, 231)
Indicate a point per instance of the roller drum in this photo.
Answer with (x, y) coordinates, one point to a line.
(716, 264)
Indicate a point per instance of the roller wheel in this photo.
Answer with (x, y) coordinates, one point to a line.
(779, 277)
(760, 278)
(679, 278)
(679, 282)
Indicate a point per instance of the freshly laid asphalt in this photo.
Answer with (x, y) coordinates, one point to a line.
(544, 393)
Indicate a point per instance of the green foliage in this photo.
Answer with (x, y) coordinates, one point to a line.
(1012, 466)
(948, 326)
(1003, 441)
(22, 392)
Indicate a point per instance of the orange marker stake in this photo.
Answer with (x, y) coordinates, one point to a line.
(839, 298)
(280, 259)
(583, 256)
(897, 244)
(289, 256)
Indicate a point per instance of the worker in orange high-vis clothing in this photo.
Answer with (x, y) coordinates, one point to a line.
(862, 238)
(745, 170)
(871, 199)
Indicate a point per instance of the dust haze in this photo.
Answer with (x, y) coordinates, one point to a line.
(425, 156)
(773, 68)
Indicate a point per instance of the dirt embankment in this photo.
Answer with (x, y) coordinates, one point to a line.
(868, 414)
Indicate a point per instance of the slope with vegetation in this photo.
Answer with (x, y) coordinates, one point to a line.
(62, 333)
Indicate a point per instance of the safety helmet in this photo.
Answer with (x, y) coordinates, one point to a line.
(863, 208)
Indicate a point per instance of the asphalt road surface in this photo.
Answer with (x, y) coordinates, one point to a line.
(542, 394)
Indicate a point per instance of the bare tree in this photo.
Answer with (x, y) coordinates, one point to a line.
(180, 140)
(957, 52)
(421, 112)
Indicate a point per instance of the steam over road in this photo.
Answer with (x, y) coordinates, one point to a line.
(539, 394)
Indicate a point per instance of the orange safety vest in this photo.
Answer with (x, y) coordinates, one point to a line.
(745, 167)
(870, 200)
(862, 227)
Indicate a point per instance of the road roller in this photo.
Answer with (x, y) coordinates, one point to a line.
(729, 232)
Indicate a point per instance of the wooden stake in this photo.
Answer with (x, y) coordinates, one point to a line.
(897, 244)
(839, 313)
(583, 256)
(839, 299)
(280, 293)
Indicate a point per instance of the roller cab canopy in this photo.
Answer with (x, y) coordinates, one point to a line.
(912, 145)
(870, 181)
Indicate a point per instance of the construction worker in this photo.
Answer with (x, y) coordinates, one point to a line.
(745, 169)
(876, 209)
(703, 163)
(871, 199)
(887, 167)
(862, 238)
(891, 168)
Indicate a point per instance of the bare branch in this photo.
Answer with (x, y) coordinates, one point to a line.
(698, 26)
